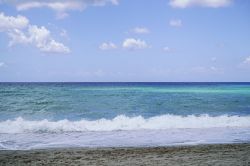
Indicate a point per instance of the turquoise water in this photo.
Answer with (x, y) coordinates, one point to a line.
(74, 101)
(72, 110)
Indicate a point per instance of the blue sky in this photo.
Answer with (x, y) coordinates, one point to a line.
(125, 40)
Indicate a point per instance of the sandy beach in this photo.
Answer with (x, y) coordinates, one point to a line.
(221, 154)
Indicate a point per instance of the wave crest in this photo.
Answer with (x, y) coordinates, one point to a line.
(122, 122)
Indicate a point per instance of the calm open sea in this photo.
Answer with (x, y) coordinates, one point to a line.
(46, 115)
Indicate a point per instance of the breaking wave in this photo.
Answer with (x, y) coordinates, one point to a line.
(122, 122)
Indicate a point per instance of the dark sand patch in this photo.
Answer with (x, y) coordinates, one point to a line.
(228, 154)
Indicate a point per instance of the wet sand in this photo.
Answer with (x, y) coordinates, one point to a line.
(221, 154)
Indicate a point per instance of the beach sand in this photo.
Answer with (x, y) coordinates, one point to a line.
(217, 154)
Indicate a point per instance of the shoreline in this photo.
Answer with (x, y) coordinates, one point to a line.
(209, 154)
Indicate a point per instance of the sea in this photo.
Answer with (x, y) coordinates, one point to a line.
(125, 114)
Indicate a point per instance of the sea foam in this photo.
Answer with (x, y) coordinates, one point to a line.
(122, 122)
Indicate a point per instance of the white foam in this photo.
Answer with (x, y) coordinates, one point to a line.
(135, 138)
(121, 122)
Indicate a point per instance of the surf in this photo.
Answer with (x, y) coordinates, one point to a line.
(124, 123)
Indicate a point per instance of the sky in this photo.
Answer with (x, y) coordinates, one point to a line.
(124, 40)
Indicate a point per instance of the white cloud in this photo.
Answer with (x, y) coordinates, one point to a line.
(134, 44)
(21, 32)
(58, 6)
(247, 60)
(41, 38)
(175, 23)
(107, 46)
(201, 3)
(17, 36)
(114, 2)
(167, 49)
(2, 64)
(217, 70)
(140, 30)
(10, 22)
(61, 7)
(213, 68)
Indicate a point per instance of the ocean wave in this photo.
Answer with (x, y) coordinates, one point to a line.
(122, 122)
